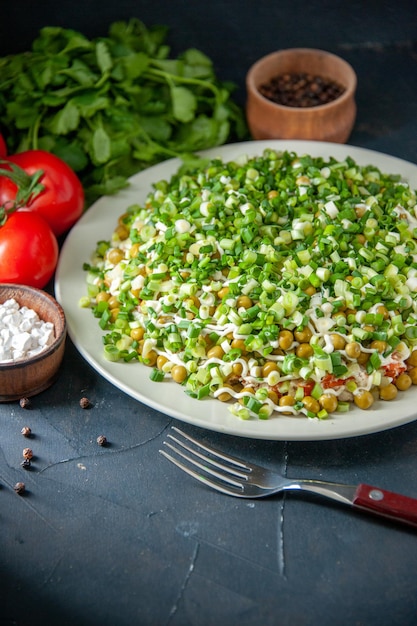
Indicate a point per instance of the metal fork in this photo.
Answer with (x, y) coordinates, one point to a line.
(236, 477)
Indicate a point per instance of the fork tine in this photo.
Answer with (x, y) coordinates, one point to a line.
(221, 466)
(205, 468)
(233, 460)
(230, 491)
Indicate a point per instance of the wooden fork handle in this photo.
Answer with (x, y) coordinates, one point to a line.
(386, 503)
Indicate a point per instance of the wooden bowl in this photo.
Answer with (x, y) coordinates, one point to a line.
(28, 377)
(326, 122)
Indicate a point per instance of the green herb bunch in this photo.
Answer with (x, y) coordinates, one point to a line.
(114, 105)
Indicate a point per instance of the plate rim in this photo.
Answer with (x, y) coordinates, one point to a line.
(215, 415)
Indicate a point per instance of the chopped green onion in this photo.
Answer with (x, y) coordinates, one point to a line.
(224, 259)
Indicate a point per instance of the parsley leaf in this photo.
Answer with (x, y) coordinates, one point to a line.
(114, 105)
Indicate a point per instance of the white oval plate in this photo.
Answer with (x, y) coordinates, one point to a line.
(168, 397)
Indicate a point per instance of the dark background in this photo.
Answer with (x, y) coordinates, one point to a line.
(115, 536)
(379, 38)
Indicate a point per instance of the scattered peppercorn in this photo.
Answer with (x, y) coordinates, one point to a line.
(26, 431)
(27, 453)
(26, 464)
(102, 440)
(85, 403)
(301, 90)
(25, 403)
(19, 488)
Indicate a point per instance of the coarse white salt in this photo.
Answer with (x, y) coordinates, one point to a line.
(22, 333)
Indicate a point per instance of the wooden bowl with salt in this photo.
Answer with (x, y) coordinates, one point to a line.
(26, 376)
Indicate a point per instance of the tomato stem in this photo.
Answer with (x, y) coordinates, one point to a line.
(28, 187)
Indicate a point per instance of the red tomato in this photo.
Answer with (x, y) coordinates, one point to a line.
(308, 387)
(61, 202)
(329, 381)
(28, 250)
(393, 370)
(3, 147)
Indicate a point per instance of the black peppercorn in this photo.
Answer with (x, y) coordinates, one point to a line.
(85, 403)
(27, 453)
(19, 488)
(26, 431)
(102, 440)
(301, 90)
(26, 464)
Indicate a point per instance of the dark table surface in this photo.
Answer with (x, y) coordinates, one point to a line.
(117, 536)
